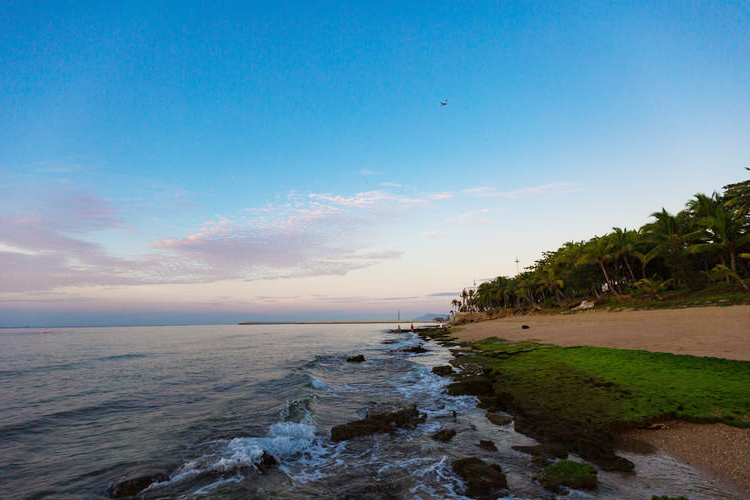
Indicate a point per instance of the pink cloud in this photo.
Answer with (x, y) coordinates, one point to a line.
(309, 236)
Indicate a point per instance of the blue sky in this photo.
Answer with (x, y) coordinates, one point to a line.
(227, 161)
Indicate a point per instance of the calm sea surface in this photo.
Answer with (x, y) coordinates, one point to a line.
(84, 408)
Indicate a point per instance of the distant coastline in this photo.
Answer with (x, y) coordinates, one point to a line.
(332, 322)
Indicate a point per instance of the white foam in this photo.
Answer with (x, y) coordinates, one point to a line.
(234, 479)
(288, 442)
(316, 383)
(429, 389)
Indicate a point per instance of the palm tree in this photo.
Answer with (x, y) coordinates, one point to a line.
(671, 234)
(623, 245)
(599, 250)
(737, 196)
(547, 278)
(722, 232)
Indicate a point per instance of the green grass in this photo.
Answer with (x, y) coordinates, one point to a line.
(611, 388)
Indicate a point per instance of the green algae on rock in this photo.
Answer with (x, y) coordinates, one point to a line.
(484, 481)
(498, 419)
(487, 445)
(444, 435)
(378, 422)
(568, 473)
(443, 371)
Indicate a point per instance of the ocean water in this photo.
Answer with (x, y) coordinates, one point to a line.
(84, 408)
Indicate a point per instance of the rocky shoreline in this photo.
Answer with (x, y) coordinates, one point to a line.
(473, 372)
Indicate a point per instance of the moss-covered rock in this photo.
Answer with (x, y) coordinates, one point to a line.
(568, 473)
(443, 371)
(417, 349)
(545, 450)
(487, 445)
(484, 481)
(378, 422)
(134, 485)
(444, 435)
(498, 419)
(471, 386)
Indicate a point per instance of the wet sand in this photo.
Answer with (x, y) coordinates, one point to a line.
(722, 452)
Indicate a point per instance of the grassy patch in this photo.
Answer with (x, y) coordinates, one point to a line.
(621, 387)
(580, 396)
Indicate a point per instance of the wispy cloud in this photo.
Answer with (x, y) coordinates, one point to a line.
(310, 235)
(440, 196)
(492, 192)
(366, 172)
(431, 235)
(390, 184)
(473, 217)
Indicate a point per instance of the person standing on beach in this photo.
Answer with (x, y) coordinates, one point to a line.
(412, 327)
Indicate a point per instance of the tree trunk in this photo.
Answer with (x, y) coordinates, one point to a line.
(630, 269)
(606, 277)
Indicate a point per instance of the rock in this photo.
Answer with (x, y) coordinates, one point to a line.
(568, 473)
(444, 435)
(485, 481)
(487, 445)
(546, 450)
(498, 419)
(443, 370)
(266, 461)
(525, 327)
(374, 491)
(355, 359)
(471, 386)
(133, 486)
(378, 422)
(417, 349)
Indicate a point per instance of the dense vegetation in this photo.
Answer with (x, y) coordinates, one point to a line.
(706, 244)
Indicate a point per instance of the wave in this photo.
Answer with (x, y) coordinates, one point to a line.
(77, 415)
(72, 365)
(428, 390)
(287, 442)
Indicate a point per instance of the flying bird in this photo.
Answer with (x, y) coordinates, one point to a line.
(444, 103)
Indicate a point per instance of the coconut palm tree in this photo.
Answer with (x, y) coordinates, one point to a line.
(623, 245)
(672, 234)
(722, 233)
(599, 250)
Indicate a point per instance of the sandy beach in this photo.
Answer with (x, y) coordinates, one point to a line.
(722, 452)
(722, 332)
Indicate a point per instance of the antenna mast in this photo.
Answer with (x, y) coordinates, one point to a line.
(517, 261)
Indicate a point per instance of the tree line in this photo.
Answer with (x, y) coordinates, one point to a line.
(706, 243)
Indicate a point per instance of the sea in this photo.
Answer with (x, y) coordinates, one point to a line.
(82, 409)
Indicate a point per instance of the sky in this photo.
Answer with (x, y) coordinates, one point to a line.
(199, 162)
